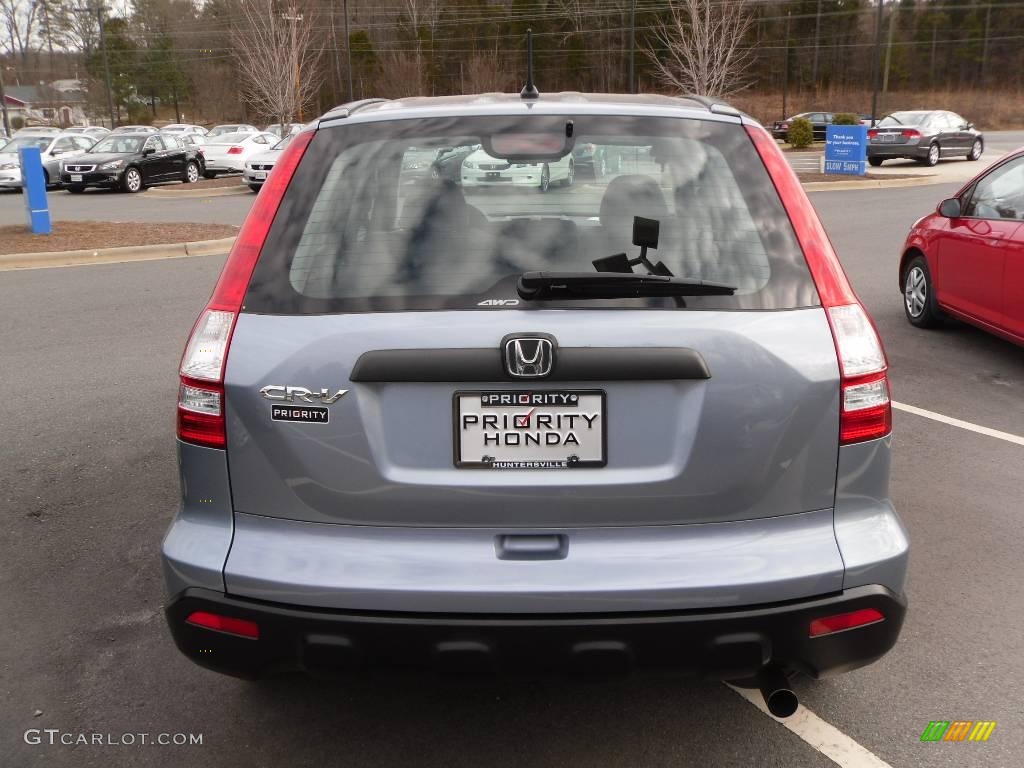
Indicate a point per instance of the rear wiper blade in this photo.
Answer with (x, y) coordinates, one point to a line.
(545, 286)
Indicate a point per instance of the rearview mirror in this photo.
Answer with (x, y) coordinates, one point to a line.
(148, 151)
(950, 208)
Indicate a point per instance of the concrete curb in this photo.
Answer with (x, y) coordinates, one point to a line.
(825, 186)
(193, 193)
(114, 255)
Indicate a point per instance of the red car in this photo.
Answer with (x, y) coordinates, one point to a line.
(967, 259)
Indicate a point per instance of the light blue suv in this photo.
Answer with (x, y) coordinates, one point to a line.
(638, 420)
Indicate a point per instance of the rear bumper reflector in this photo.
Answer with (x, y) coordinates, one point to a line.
(730, 644)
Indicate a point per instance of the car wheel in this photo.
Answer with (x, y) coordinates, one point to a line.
(875, 161)
(976, 150)
(932, 158)
(209, 175)
(570, 176)
(75, 188)
(191, 173)
(132, 180)
(919, 295)
(545, 178)
(255, 187)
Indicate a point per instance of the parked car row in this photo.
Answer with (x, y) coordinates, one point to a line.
(130, 158)
(923, 135)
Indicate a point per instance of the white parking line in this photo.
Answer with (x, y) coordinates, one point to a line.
(825, 738)
(1008, 437)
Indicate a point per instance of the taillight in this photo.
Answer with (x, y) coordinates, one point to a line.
(235, 151)
(201, 388)
(865, 412)
(841, 621)
(910, 133)
(785, 126)
(229, 624)
(872, 133)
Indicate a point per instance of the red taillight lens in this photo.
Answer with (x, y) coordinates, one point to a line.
(841, 621)
(240, 627)
(785, 126)
(865, 410)
(872, 133)
(235, 151)
(201, 413)
(910, 133)
(201, 390)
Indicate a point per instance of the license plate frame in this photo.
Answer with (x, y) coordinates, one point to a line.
(76, 177)
(501, 460)
(888, 138)
(259, 175)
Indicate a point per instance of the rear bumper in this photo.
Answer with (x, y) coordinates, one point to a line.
(222, 166)
(726, 644)
(910, 151)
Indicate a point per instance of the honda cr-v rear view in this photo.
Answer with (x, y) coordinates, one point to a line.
(543, 419)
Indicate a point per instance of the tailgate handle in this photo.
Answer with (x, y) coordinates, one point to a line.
(531, 546)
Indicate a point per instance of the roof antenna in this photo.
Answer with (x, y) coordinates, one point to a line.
(529, 90)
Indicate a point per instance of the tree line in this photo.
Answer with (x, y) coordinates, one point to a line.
(222, 59)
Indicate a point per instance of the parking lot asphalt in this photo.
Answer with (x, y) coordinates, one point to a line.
(88, 485)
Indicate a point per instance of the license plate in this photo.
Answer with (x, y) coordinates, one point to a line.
(76, 177)
(259, 175)
(888, 138)
(530, 429)
(493, 175)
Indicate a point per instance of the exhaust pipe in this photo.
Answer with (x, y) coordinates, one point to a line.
(778, 696)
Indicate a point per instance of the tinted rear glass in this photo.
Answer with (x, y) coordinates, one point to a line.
(416, 215)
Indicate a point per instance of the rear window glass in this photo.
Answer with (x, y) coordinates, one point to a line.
(416, 215)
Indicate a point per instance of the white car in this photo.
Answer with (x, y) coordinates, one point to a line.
(181, 129)
(290, 129)
(96, 131)
(259, 166)
(53, 147)
(482, 170)
(223, 130)
(228, 153)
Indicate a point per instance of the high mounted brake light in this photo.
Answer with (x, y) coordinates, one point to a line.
(201, 390)
(865, 412)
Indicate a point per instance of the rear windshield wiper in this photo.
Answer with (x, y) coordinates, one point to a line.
(546, 286)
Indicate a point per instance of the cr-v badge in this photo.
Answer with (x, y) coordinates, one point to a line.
(304, 413)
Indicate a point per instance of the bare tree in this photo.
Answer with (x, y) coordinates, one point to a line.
(18, 18)
(699, 47)
(277, 56)
(488, 73)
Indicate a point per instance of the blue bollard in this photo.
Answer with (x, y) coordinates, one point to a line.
(33, 187)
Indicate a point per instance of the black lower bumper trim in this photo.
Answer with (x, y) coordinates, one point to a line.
(730, 644)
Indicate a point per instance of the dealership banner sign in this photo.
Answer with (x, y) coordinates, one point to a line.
(846, 149)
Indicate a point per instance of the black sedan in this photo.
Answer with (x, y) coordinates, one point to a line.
(448, 162)
(820, 121)
(596, 160)
(925, 136)
(130, 162)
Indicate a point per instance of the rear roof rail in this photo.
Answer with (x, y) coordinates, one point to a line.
(342, 111)
(717, 106)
